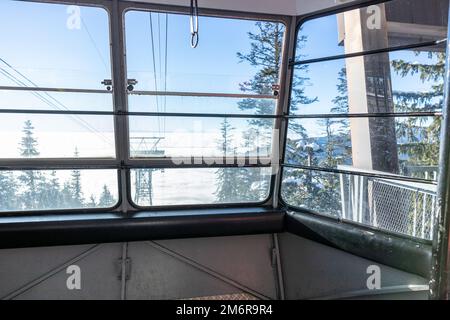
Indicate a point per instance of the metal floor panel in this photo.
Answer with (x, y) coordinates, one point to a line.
(99, 278)
(18, 267)
(315, 271)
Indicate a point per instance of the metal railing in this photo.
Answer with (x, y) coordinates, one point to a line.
(403, 207)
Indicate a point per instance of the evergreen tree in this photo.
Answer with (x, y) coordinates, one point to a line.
(28, 144)
(29, 179)
(337, 148)
(92, 203)
(419, 136)
(226, 138)
(321, 192)
(54, 190)
(37, 192)
(265, 54)
(340, 102)
(49, 192)
(227, 179)
(106, 198)
(252, 184)
(8, 190)
(76, 187)
(341, 138)
(67, 200)
(328, 196)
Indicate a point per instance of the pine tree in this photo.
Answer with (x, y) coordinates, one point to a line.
(92, 202)
(342, 139)
(227, 179)
(337, 148)
(106, 199)
(29, 179)
(67, 200)
(341, 100)
(419, 136)
(328, 196)
(8, 190)
(76, 187)
(252, 184)
(28, 145)
(55, 190)
(320, 191)
(226, 140)
(266, 54)
(49, 192)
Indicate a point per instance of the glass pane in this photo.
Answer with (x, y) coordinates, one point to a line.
(395, 23)
(160, 57)
(56, 136)
(34, 100)
(199, 137)
(141, 103)
(168, 187)
(59, 189)
(401, 81)
(407, 146)
(54, 45)
(397, 206)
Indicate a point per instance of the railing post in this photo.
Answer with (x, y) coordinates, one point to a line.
(416, 206)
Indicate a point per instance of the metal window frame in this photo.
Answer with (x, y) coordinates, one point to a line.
(440, 259)
(168, 163)
(116, 10)
(300, 20)
(68, 163)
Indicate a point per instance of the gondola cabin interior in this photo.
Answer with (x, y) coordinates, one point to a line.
(242, 150)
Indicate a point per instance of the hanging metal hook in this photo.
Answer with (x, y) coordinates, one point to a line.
(194, 23)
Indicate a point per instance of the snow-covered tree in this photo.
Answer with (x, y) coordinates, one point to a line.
(106, 199)
(30, 179)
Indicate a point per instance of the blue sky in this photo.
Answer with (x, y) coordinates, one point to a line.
(44, 49)
(52, 55)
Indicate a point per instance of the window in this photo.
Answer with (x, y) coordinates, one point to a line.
(212, 107)
(179, 126)
(365, 113)
(51, 73)
(210, 186)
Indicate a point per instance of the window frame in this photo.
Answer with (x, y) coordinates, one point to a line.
(299, 21)
(123, 163)
(167, 163)
(88, 163)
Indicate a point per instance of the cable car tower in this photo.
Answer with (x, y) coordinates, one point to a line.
(145, 147)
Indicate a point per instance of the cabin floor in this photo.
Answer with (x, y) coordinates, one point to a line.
(233, 267)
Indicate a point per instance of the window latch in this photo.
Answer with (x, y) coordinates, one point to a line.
(131, 83)
(108, 84)
(276, 89)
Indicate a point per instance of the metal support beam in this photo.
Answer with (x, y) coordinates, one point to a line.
(49, 89)
(440, 268)
(278, 268)
(120, 100)
(203, 94)
(284, 104)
